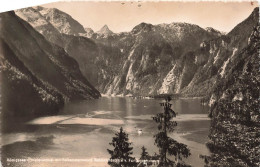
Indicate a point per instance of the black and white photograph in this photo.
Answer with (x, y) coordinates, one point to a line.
(130, 84)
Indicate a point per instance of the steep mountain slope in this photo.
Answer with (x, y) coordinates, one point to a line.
(121, 63)
(22, 93)
(165, 57)
(149, 52)
(176, 58)
(98, 62)
(235, 111)
(46, 61)
(153, 59)
(220, 54)
(239, 35)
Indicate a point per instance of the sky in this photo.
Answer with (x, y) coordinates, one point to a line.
(119, 17)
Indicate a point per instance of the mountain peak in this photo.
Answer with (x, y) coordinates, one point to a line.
(105, 30)
(105, 26)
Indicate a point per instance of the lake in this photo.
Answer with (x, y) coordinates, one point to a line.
(80, 134)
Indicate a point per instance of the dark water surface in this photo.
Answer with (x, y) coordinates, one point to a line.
(83, 131)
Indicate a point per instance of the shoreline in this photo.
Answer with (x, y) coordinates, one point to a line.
(147, 97)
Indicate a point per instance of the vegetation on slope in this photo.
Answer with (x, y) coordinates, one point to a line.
(235, 139)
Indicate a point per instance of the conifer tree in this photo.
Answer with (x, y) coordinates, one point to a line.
(145, 158)
(121, 154)
(168, 146)
(144, 154)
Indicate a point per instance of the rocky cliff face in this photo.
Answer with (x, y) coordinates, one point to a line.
(154, 59)
(148, 53)
(235, 110)
(169, 58)
(219, 55)
(43, 63)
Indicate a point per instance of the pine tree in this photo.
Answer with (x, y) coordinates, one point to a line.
(145, 158)
(144, 154)
(166, 144)
(121, 155)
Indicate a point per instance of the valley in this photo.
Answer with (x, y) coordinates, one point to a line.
(54, 72)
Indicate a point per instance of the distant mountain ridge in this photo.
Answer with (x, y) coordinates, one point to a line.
(153, 59)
